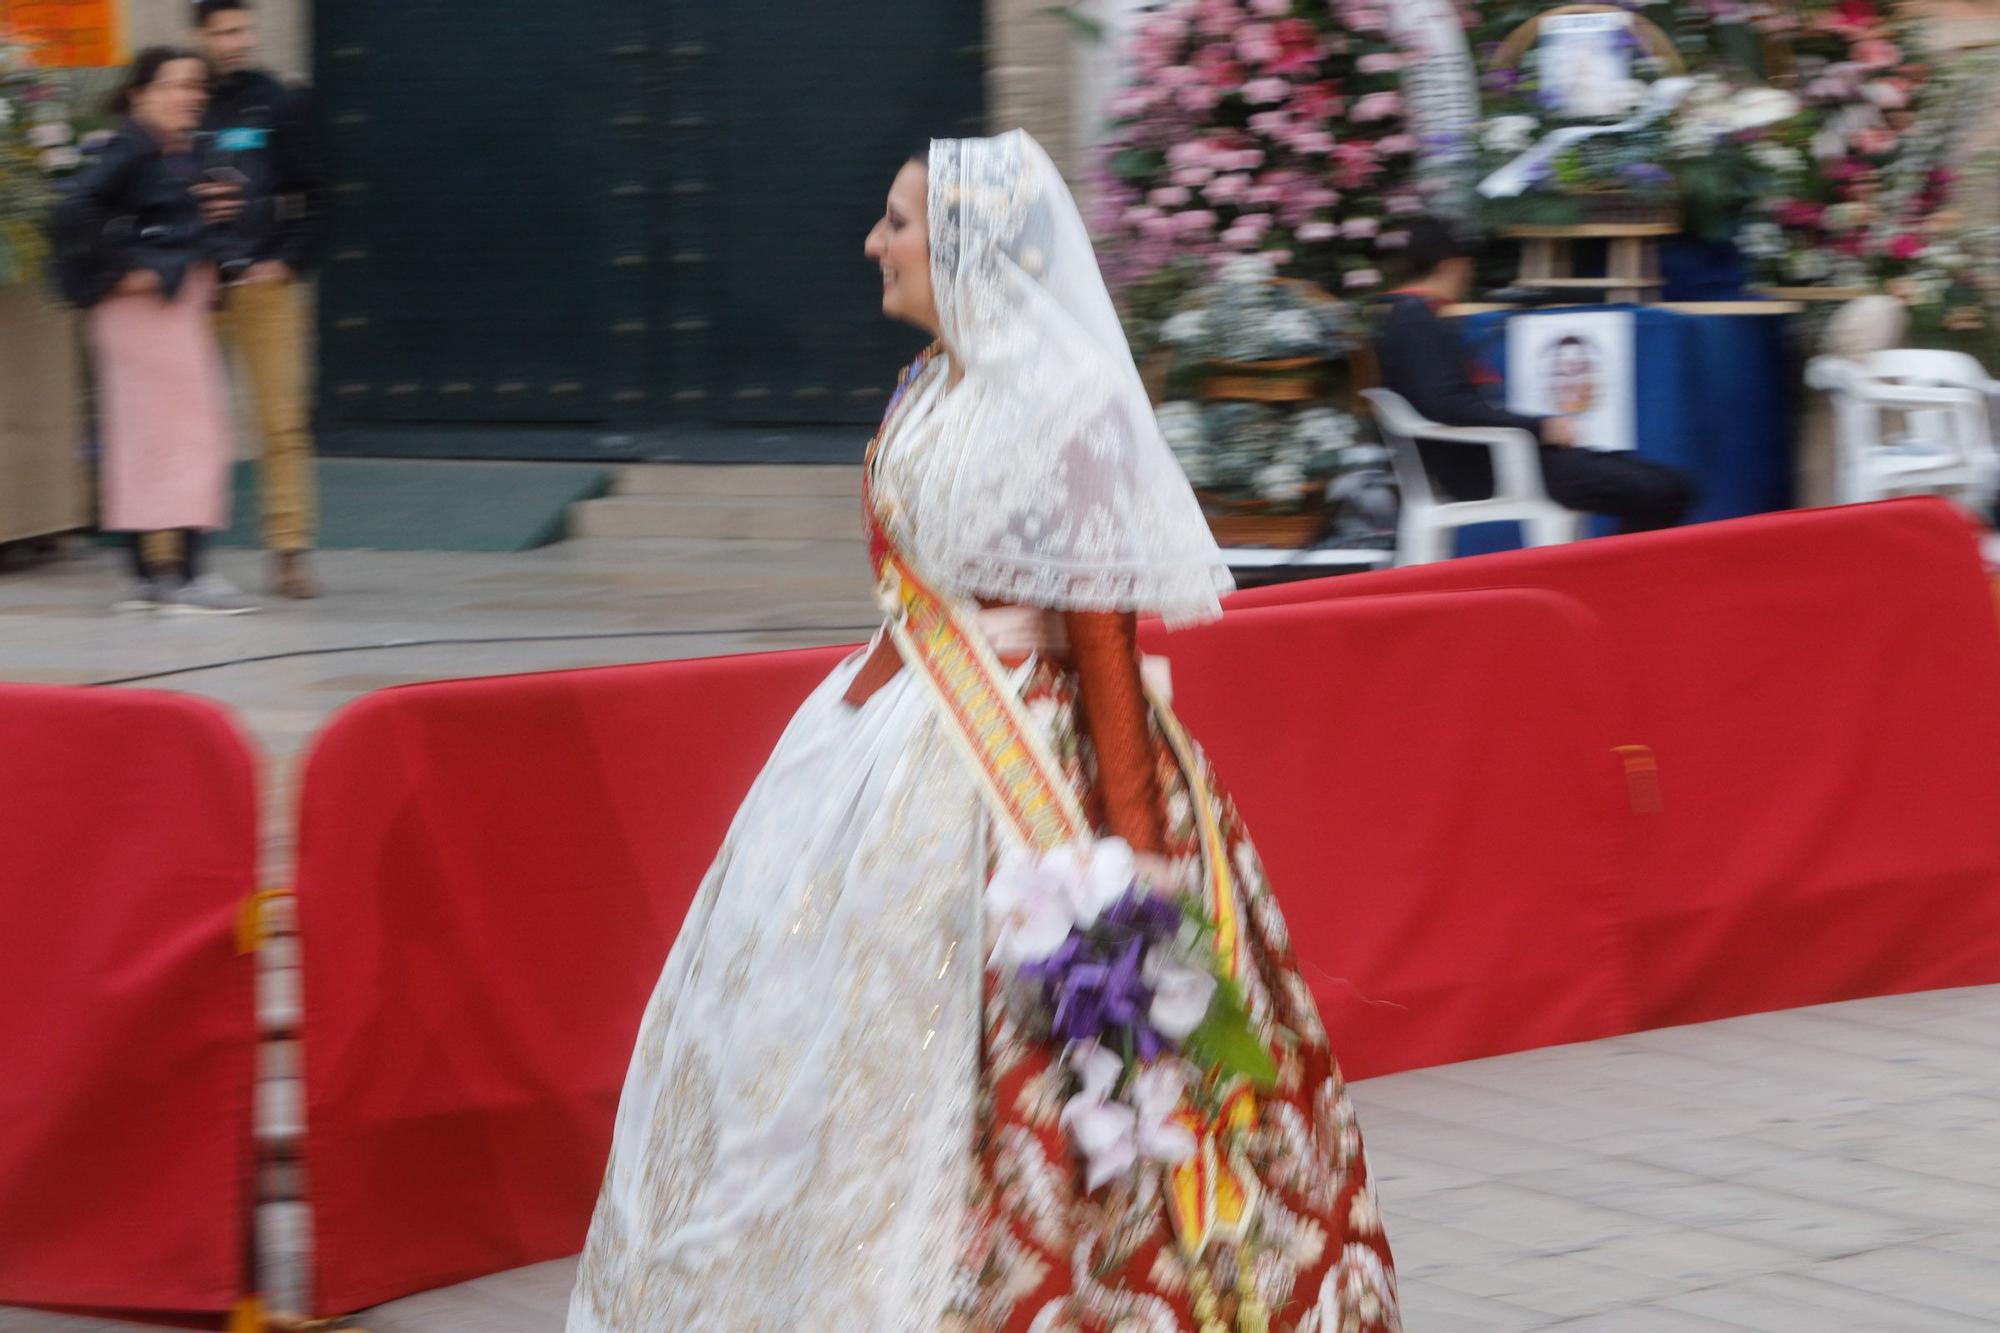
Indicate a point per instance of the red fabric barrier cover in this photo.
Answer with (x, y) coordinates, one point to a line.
(491, 871)
(128, 843)
(1447, 847)
(1822, 691)
(490, 875)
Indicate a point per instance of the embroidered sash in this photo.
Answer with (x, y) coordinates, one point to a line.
(1215, 1193)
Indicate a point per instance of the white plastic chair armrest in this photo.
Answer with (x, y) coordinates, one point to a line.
(1517, 462)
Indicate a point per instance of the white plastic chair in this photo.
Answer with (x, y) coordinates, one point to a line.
(1427, 523)
(1911, 421)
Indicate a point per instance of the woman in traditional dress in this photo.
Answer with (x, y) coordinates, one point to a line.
(929, 1052)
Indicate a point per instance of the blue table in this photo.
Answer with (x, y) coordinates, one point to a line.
(1713, 398)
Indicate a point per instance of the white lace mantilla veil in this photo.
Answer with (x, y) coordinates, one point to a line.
(1042, 479)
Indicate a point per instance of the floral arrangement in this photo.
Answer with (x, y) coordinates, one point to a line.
(1870, 200)
(1271, 127)
(1281, 455)
(1707, 154)
(1122, 973)
(36, 143)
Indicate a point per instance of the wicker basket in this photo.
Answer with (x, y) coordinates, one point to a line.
(1297, 379)
(1258, 523)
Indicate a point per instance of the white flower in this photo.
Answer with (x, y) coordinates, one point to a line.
(1509, 134)
(6, 111)
(1808, 266)
(1247, 270)
(1181, 995)
(1091, 876)
(61, 159)
(1104, 1131)
(1279, 482)
(1189, 326)
(1156, 1095)
(1774, 156)
(49, 134)
(1180, 424)
(1029, 911)
(1755, 108)
(1112, 1136)
(1761, 240)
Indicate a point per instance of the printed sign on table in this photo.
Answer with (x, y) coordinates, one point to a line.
(1575, 363)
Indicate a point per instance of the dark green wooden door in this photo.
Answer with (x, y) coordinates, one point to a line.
(623, 215)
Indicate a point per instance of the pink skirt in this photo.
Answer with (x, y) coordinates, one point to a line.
(163, 410)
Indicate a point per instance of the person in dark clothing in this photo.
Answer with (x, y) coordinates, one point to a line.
(141, 235)
(1424, 358)
(258, 129)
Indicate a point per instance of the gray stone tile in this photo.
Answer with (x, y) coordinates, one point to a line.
(1791, 1303)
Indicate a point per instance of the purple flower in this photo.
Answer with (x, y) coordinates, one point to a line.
(1153, 917)
(1645, 175)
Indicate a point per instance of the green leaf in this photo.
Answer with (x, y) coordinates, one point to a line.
(1226, 1044)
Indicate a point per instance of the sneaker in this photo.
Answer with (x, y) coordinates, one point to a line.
(146, 595)
(209, 595)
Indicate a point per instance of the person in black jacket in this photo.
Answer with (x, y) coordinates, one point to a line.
(260, 129)
(141, 235)
(1424, 358)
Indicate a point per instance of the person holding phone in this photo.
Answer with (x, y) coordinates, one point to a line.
(141, 236)
(257, 133)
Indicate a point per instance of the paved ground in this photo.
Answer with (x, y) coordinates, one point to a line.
(1830, 1168)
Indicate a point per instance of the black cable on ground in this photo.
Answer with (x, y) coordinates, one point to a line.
(394, 644)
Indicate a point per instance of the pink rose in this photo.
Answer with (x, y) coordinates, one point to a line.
(1393, 240)
(1360, 229)
(1199, 100)
(1403, 205)
(1248, 159)
(1263, 92)
(1193, 221)
(1226, 189)
(1193, 177)
(1360, 277)
(1889, 94)
(1798, 213)
(1257, 44)
(1170, 196)
(1317, 231)
(1876, 52)
(1271, 8)
(1378, 106)
(1395, 145)
(1906, 247)
(1272, 124)
(1379, 62)
(1874, 143)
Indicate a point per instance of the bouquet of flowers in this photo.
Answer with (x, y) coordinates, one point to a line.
(1270, 127)
(36, 143)
(1708, 154)
(1123, 974)
(1872, 186)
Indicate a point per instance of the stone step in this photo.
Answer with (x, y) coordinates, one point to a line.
(691, 480)
(718, 518)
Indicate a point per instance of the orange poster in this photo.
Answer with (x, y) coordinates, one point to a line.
(65, 33)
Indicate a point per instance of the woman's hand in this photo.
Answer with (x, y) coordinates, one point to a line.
(138, 282)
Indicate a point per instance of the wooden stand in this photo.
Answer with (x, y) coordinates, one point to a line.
(42, 484)
(1631, 270)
